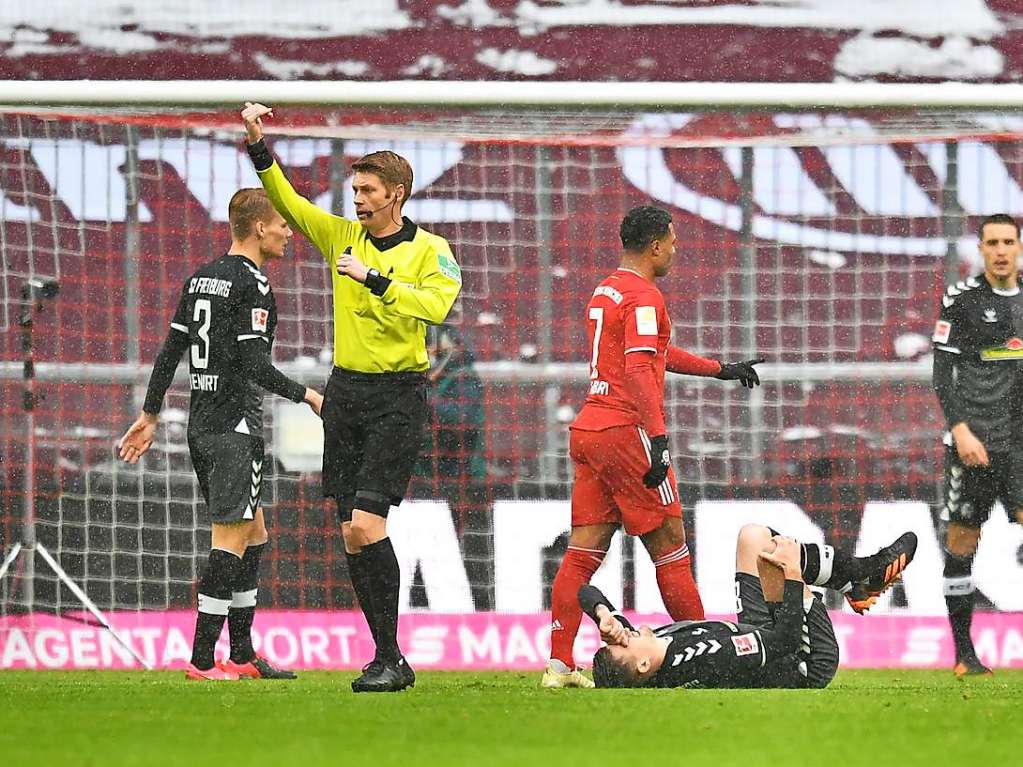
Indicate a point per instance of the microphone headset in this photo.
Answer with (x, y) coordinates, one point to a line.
(392, 199)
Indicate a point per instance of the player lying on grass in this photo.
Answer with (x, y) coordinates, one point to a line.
(783, 636)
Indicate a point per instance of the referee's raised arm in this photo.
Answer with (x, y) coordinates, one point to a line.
(390, 279)
(321, 227)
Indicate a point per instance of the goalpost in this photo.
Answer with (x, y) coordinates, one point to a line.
(817, 226)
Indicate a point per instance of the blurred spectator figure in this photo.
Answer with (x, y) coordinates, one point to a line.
(457, 398)
(453, 466)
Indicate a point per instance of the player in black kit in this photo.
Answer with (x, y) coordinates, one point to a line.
(225, 320)
(978, 348)
(782, 638)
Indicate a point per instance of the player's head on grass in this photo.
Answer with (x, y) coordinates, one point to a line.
(257, 230)
(631, 666)
(648, 238)
(1000, 248)
(382, 184)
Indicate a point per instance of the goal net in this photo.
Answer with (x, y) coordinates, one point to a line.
(818, 239)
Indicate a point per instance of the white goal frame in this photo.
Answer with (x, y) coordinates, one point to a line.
(152, 95)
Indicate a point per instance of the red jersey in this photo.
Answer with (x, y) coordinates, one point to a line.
(626, 315)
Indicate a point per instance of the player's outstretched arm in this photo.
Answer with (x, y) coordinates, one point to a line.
(329, 233)
(744, 372)
(686, 363)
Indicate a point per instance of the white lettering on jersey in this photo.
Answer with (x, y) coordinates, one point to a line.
(599, 387)
(646, 320)
(942, 330)
(259, 318)
(210, 286)
(607, 290)
(203, 382)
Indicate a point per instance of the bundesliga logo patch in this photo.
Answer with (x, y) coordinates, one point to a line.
(746, 644)
(942, 330)
(449, 268)
(259, 318)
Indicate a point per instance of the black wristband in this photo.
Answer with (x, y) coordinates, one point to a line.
(376, 282)
(260, 155)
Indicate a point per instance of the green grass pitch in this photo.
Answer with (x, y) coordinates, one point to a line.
(874, 718)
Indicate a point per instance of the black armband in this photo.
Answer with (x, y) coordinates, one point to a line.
(376, 282)
(260, 155)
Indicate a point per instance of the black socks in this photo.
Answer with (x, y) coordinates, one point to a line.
(216, 589)
(243, 606)
(381, 572)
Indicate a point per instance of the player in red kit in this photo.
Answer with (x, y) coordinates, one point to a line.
(619, 441)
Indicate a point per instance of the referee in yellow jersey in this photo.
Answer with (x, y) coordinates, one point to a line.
(391, 279)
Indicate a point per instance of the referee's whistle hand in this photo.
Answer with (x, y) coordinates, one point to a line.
(348, 265)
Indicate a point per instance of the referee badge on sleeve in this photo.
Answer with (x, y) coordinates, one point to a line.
(259, 318)
(449, 267)
(942, 330)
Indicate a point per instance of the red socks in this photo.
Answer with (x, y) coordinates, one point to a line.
(576, 569)
(678, 589)
(674, 578)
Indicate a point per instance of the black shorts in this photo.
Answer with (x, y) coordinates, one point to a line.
(816, 661)
(971, 491)
(372, 435)
(229, 468)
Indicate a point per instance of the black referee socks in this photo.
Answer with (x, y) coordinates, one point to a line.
(362, 583)
(216, 589)
(381, 566)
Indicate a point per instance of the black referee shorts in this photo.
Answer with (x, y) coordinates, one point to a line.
(971, 491)
(372, 434)
(229, 468)
(816, 661)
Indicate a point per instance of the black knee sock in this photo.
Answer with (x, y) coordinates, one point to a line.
(958, 587)
(382, 568)
(243, 606)
(358, 570)
(215, 588)
(824, 565)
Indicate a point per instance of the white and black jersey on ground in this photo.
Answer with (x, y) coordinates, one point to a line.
(978, 349)
(225, 319)
(719, 654)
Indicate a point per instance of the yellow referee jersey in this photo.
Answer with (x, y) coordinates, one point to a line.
(375, 334)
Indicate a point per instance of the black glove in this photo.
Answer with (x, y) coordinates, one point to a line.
(660, 461)
(741, 371)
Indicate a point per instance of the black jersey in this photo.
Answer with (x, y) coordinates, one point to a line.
(225, 319)
(979, 333)
(717, 654)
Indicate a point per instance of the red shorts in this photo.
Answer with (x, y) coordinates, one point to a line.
(609, 489)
